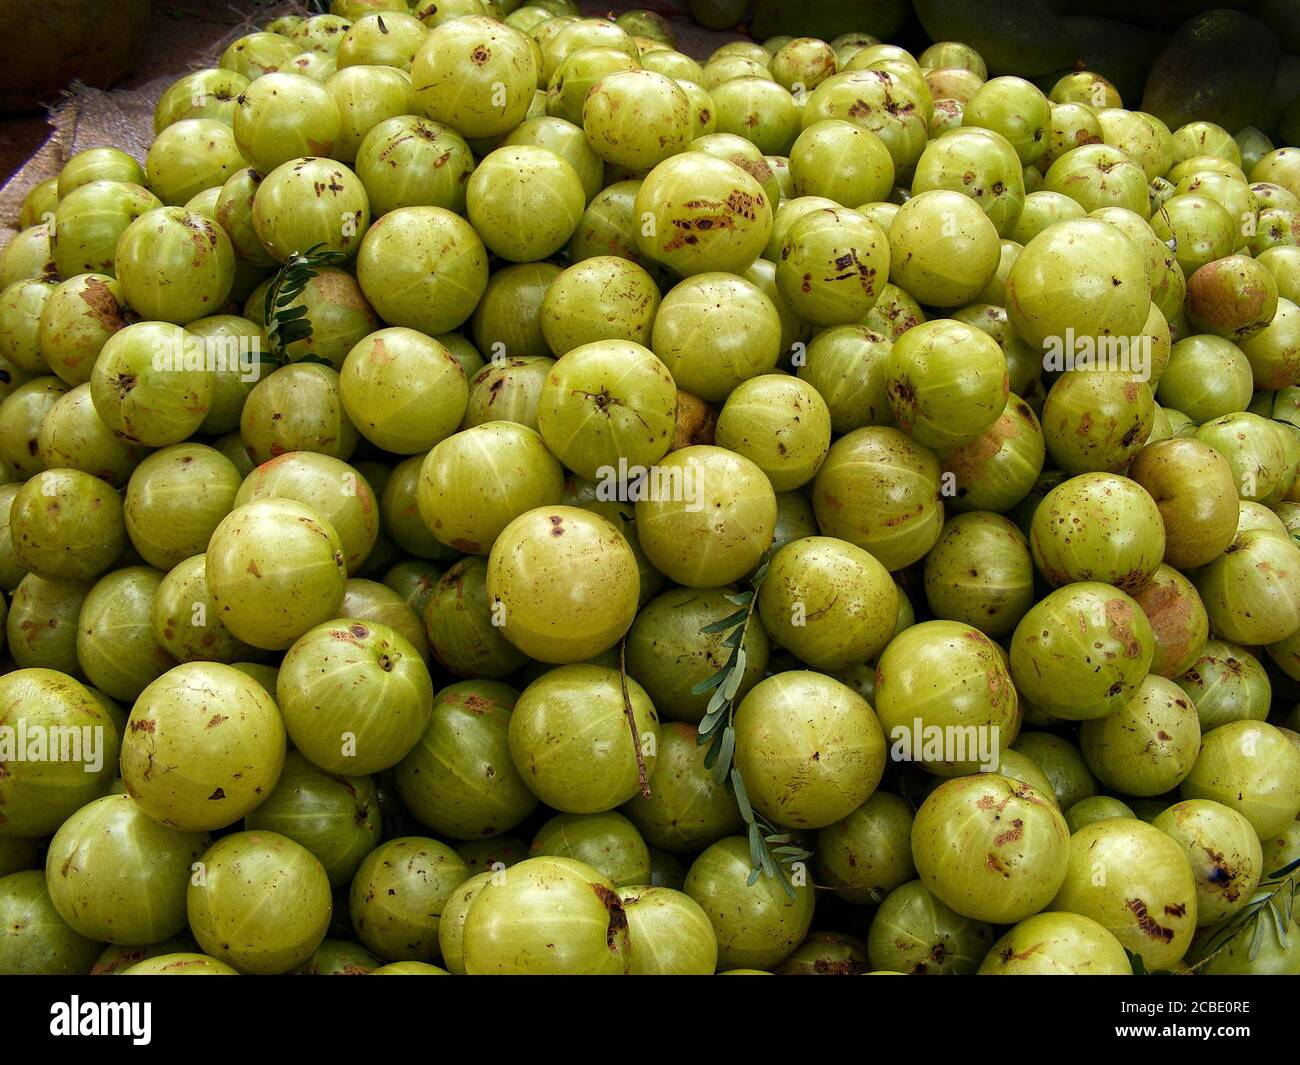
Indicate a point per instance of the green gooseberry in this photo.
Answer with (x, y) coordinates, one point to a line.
(355, 696)
(508, 389)
(827, 953)
(1072, 125)
(189, 156)
(389, 40)
(311, 203)
(944, 250)
(234, 213)
(568, 142)
(1042, 208)
(298, 407)
(1057, 944)
(606, 404)
(998, 469)
(1195, 489)
(400, 515)
(832, 265)
(207, 93)
(1254, 449)
(1274, 352)
(403, 390)
(467, 510)
(365, 97)
(11, 572)
(804, 62)
(464, 352)
(29, 255)
(790, 210)
(828, 602)
(1015, 108)
(757, 924)
(40, 793)
(1225, 854)
(1095, 808)
(1081, 254)
(330, 487)
(687, 809)
(573, 79)
(1099, 175)
(424, 268)
(1136, 882)
(701, 213)
(42, 198)
(413, 580)
(714, 331)
(458, 620)
(863, 857)
(493, 854)
(185, 618)
(608, 842)
(117, 876)
(1080, 652)
(459, 779)
(1252, 768)
(1250, 591)
(759, 110)
(547, 916)
(175, 500)
(222, 726)
(410, 161)
(168, 243)
(980, 573)
(1097, 420)
(525, 202)
(232, 343)
(570, 740)
(280, 117)
(182, 963)
(583, 33)
(451, 924)
(1024, 364)
(22, 305)
(1148, 745)
(66, 525)
(847, 366)
(21, 415)
(151, 385)
(263, 904)
(276, 568)
(41, 624)
(995, 292)
(115, 960)
(915, 932)
(75, 323)
(980, 164)
(609, 226)
(1232, 193)
(338, 310)
(338, 958)
(880, 490)
(255, 54)
(780, 423)
(39, 941)
(1233, 297)
(946, 382)
(1198, 229)
(90, 221)
(475, 75)
(706, 516)
(116, 647)
(604, 297)
(370, 601)
(966, 856)
(810, 749)
(1178, 620)
(637, 118)
(673, 933)
(1143, 137)
(879, 100)
(668, 652)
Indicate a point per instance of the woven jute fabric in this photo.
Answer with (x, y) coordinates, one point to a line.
(189, 35)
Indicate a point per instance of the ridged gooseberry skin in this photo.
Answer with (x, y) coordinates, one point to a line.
(946, 382)
(565, 583)
(398, 896)
(1225, 855)
(475, 482)
(223, 733)
(263, 903)
(1135, 882)
(475, 75)
(879, 489)
(306, 202)
(355, 696)
(672, 933)
(400, 162)
(980, 572)
(991, 848)
(38, 942)
(757, 925)
(175, 499)
(1252, 591)
(66, 525)
(36, 797)
(403, 390)
(810, 748)
(547, 916)
(525, 202)
(571, 742)
(779, 422)
(1148, 745)
(944, 249)
(1080, 652)
(951, 676)
(275, 569)
(709, 518)
(828, 602)
(832, 266)
(702, 214)
(459, 778)
(637, 118)
(1251, 767)
(916, 933)
(1098, 527)
(604, 402)
(1057, 944)
(284, 116)
(117, 876)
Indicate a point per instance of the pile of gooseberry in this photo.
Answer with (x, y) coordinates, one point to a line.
(492, 493)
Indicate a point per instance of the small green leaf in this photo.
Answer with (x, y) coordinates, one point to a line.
(726, 749)
(739, 598)
(742, 799)
(730, 621)
(710, 682)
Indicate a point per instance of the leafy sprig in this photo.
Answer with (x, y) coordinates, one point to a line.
(771, 850)
(285, 323)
